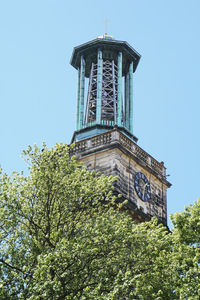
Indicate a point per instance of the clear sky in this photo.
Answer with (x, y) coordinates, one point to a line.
(38, 84)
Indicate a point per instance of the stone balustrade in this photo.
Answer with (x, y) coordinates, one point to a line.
(116, 137)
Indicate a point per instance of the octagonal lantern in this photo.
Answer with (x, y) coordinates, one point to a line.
(109, 64)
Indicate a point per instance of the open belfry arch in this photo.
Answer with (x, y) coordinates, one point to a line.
(104, 137)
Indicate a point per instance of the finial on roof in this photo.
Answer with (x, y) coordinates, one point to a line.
(106, 26)
(108, 37)
(105, 35)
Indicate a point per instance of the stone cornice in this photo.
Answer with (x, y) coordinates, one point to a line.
(116, 139)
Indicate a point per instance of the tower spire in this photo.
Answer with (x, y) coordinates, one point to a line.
(106, 63)
(104, 139)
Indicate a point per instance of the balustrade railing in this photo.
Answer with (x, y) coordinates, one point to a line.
(103, 122)
(115, 136)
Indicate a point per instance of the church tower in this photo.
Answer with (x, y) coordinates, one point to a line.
(104, 137)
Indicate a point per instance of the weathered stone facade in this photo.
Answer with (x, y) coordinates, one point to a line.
(113, 153)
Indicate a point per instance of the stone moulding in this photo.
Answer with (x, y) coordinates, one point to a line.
(115, 139)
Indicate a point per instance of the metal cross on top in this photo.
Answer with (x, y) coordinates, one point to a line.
(106, 26)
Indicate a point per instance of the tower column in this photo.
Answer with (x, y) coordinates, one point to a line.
(82, 91)
(131, 96)
(119, 90)
(78, 102)
(99, 86)
(127, 109)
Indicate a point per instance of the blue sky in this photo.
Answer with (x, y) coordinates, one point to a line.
(38, 85)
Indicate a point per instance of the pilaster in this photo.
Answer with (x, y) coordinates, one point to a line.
(119, 90)
(82, 91)
(99, 85)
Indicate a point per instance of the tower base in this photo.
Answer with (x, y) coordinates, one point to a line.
(114, 153)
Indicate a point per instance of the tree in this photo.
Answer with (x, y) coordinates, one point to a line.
(63, 235)
(186, 236)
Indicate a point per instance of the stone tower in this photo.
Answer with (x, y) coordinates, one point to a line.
(104, 137)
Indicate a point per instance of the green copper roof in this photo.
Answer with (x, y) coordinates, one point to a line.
(110, 48)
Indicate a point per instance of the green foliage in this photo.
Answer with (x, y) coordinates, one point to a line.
(186, 235)
(62, 236)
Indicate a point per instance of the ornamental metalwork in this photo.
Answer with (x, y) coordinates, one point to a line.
(109, 93)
